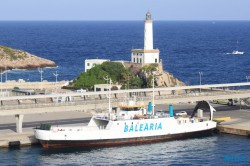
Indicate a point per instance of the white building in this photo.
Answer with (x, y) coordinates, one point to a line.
(148, 54)
(89, 63)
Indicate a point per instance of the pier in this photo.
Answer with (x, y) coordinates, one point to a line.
(238, 124)
(17, 111)
(239, 118)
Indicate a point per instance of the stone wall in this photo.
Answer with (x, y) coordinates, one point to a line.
(21, 84)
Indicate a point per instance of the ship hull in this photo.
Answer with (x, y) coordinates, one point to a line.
(121, 141)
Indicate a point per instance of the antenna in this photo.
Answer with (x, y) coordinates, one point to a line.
(109, 96)
(6, 74)
(153, 95)
(40, 70)
(56, 75)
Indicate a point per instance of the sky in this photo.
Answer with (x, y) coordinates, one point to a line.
(124, 9)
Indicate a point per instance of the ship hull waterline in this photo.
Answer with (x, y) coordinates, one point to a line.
(47, 144)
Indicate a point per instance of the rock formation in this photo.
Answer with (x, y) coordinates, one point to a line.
(18, 59)
(162, 78)
(165, 79)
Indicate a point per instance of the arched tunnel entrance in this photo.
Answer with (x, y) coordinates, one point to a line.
(205, 106)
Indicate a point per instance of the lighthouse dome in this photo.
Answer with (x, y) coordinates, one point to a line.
(148, 16)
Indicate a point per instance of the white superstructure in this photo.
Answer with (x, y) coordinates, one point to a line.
(131, 124)
(148, 54)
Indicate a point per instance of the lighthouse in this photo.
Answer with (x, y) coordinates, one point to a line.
(148, 54)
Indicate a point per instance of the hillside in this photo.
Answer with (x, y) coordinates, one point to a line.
(128, 75)
(17, 59)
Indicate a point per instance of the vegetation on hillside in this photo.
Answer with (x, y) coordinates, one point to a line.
(97, 74)
(11, 58)
(127, 77)
(11, 54)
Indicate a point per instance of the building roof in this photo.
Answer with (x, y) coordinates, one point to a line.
(145, 51)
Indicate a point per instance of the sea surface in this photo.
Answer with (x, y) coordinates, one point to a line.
(187, 48)
(215, 150)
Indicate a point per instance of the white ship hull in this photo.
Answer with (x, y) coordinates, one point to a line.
(124, 132)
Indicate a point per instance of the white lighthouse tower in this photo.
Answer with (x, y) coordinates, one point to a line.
(148, 54)
(148, 32)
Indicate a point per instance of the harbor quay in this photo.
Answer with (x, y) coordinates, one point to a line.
(20, 114)
(18, 106)
(237, 124)
(9, 137)
(22, 84)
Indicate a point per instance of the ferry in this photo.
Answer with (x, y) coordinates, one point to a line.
(130, 124)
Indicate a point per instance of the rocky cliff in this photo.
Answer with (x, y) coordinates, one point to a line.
(162, 78)
(18, 59)
(165, 79)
